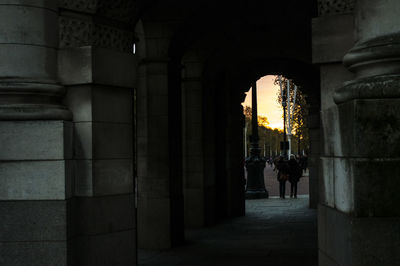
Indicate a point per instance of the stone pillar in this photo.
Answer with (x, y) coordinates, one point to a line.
(103, 152)
(332, 38)
(223, 146)
(159, 137)
(255, 187)
(35, 139)
(210, 147)
(234, 151)
(314, 132)
(199, 188)
(100, 76)
(29, 43)
(361, 225)
(160, 199)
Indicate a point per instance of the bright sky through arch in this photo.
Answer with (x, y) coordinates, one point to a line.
(267, 95)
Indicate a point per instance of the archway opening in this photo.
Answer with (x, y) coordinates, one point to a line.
(279, 109)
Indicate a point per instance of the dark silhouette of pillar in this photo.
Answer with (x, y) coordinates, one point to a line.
(284, 148)
(255, 165)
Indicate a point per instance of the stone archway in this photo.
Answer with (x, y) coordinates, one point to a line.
(67, 186)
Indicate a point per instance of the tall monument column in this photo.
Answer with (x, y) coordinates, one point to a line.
(362, 228)
(255, 165)
(35, 139)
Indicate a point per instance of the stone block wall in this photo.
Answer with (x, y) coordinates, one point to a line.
(36, 166)
(97, 66)
(358, 219)
(104, 209)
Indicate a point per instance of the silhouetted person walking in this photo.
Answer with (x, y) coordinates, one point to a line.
(295, 172)
(303, 162)
(283, 175)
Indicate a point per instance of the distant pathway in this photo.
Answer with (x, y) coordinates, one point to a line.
(274, 232)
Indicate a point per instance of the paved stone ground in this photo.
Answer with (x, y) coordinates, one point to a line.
(274, 232)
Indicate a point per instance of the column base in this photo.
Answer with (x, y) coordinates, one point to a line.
(34, 112)
(32, 100)
(256, 194)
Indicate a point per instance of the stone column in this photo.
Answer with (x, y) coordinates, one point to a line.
(332, 38)
(35, 138)
(29, 41)
(314, 131)
(234, 149)
(364, 224)
(255, 187)
(160, 199)
(199, 188)
(159, 137)
(210, 147)
(98, 68)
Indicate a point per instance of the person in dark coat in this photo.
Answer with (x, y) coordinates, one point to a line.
(303, 162)
(295, 173)
(283, 175)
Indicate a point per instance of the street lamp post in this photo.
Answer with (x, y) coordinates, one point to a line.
(255, 187)
(284, 125)
(284, 104)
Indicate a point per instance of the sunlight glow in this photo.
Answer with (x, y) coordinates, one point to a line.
(267, 96)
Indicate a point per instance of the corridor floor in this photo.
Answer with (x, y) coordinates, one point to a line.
(274, 232)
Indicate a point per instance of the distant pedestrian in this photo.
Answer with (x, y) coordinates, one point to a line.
(269, 161)
(283, 175)
(303, 162)
(295, 173)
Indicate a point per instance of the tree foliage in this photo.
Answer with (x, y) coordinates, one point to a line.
(262, 120)
(268, 137)
(300, 111)
(271, 138)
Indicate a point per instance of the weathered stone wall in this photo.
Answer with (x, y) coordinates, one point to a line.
(358, 220)
(332, 37)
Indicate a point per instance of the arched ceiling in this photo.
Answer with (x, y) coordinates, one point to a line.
(249, 38)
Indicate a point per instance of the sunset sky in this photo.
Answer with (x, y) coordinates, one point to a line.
(267, 101)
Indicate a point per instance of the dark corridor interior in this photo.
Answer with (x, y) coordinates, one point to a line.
(274, 232)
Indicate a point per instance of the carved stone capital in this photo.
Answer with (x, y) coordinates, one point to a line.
(118, 10)
(78, 32)
(328, 7)
(86, 6)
